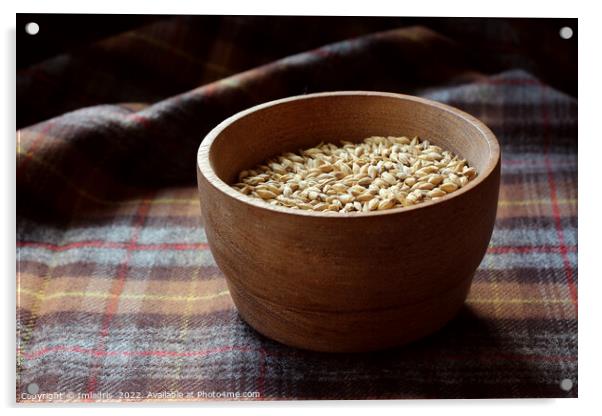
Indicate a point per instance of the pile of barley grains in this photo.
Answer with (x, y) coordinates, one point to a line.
(376, 174)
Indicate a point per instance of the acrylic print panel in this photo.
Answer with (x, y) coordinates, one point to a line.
(119, 296)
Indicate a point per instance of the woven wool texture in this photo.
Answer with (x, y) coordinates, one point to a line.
(118, 294)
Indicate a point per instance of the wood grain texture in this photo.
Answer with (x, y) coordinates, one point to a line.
(355, 282)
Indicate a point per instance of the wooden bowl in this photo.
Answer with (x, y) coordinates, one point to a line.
(346, 282)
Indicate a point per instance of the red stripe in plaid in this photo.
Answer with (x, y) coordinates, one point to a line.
(109, 244)
(116, 290)
(138, 118)
(262, 371)
(264, 353)
(519, 162)
(554, 198)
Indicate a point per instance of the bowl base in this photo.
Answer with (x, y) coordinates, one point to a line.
(356, 331)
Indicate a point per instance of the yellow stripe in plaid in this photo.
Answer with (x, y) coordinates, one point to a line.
(536, 202)
(105, 295)
(150, 296)
(521, 301)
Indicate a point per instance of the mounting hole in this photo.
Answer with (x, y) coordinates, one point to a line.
(32, 28)
(566, 384)
(33, 388)
(566, 32)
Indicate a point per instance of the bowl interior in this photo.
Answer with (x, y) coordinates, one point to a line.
(302, 122)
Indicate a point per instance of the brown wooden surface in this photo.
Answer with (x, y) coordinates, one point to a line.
(346, 282)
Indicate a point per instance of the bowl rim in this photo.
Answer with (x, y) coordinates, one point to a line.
(205, 168)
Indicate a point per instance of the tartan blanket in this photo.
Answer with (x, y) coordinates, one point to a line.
(118, 296)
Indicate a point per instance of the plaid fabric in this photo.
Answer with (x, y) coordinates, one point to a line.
(119, 296)
(177, 53)
(131, 66)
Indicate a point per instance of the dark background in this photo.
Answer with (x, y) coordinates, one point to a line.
(56, 66)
